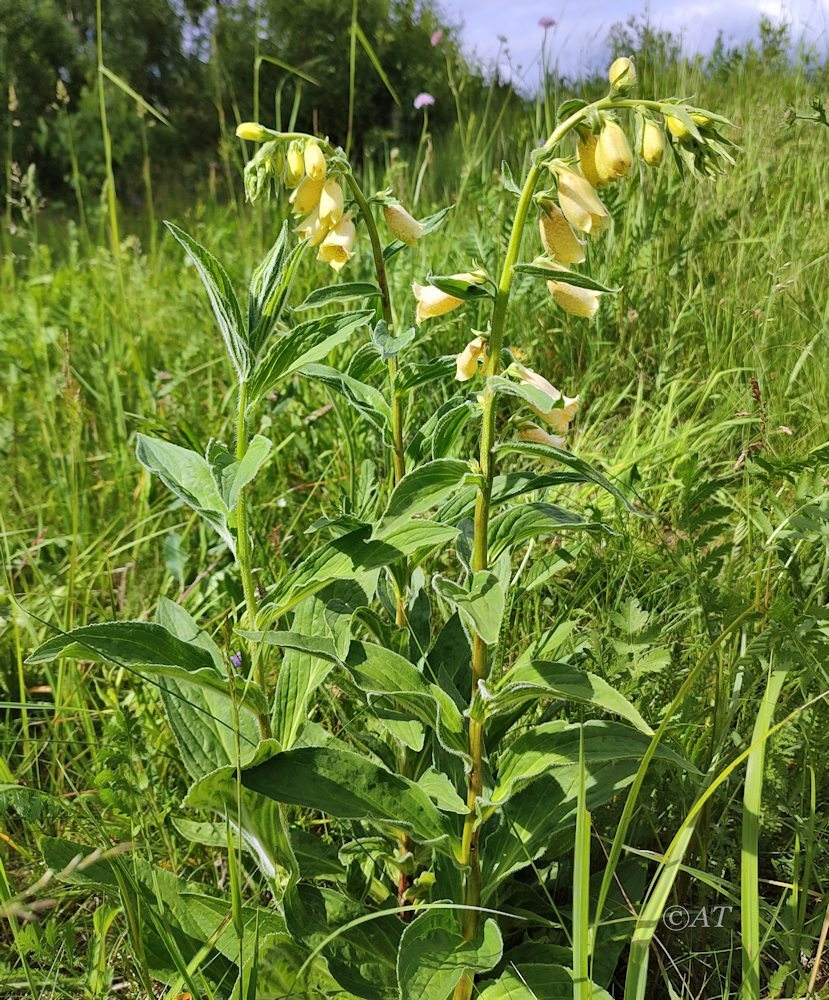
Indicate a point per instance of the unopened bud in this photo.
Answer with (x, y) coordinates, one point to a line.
(613, 156)
(252, 131)
(653, 144)
(622, 74)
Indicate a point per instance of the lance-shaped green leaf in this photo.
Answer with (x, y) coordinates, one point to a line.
(412, 376)
(349, 786)
(541, 749)
(434, 955)
(565, 277)
(269, 288)
(222, 299)
(368, 401)
(189, 475)
(522, 522)
(302, 345)
(231, 475)
(504, 487)
(422, 489)
(346, 292)
(481, 606)
(459, 287)
(538, 982)
(547, 679)
(430, 224)
(150, 647)
(387, 343)
(547, 452)
(497, 385)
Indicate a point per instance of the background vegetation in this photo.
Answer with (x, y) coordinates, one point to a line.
(704, 388)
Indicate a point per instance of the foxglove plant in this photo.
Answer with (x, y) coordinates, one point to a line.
(448, 784)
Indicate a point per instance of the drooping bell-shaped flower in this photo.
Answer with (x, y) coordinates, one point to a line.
(336, 248)
(557, 237)
(586, 154)
(466, 363)
(314, 161)
(432, 302)
(402, 225)
(537, 435)
(312, 229)
(331, 203)
(583, 302)
(581, 205)
(653, 143)
(613, 154)
(306, 197)
(564, 408)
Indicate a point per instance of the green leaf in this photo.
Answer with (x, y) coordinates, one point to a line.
(430, 224)
(269, 288)
(222, 299)
(507, 179)
(421, 489)
(570, 107)
(537, 982)
(481, 606)
(442, 792)
(149, 646)
(565, 277)
(302, 345)
(521, 522)
(530, 394)
(459, 287)
(434, 955)
(346, 785)
(368, 401)
(189, 476)
(547, 452)
(346, 292)
(412, 376)
(387, 344)
(232, 476)
(551, 745)
(546, 679)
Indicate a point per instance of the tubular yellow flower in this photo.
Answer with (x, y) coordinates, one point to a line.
(467, 361)
(312, 229)
(331, 203)
(307, 196)
(613, 155)
(586, 153)
(560, 417)
(653, 144)
(432, 302)
(537, 435)
(314, 161)
(577, 301)
(295, 166)
(252, 131)
(677, 128)
(336, 248)
(557, 237)
(402, 225)
(579, 202)
(699, 119)
(622, 74)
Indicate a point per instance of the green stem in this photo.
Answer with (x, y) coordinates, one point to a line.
(243, 555)
(470, 843)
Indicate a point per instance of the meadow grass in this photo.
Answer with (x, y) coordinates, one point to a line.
(704, 390)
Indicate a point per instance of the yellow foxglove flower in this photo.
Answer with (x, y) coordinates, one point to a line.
(577, 301)
(537, 435)
(699, 119)
(252, 131)
(314, 161)
(331, 203)
(622, 74)
(312, 229)
(336, 248)
(579, 202)
(306, 197)
(653, 144)
(431, 301)
(677, 128)
(402, 225)
(557, 237)
(586, 153)
(613, 156)
(295, 166)
(466, 363)
(560, 417)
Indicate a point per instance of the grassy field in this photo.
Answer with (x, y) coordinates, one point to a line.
(704, 392)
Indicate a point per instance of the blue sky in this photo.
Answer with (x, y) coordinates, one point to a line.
(582, 25)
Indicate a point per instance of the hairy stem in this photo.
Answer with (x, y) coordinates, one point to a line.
(243, 555)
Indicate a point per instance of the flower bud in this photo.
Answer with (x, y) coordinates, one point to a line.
(586, 153)
(579, 202)
(613, 156)
(336, 248)
(583, 302)
(701, 120)
(331, 203)
(677, 128)
(622, 74)
(557, 237)
(466, 363)
(252, 131)
(307, 196)
(402, 225)
(312, 229)
(653, 143)
(295, 166)
(314, 161)
(536, 435)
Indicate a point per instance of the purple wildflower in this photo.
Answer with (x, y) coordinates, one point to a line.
(236, 660)
(437, 36)
(423, 100)
(546, 23)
